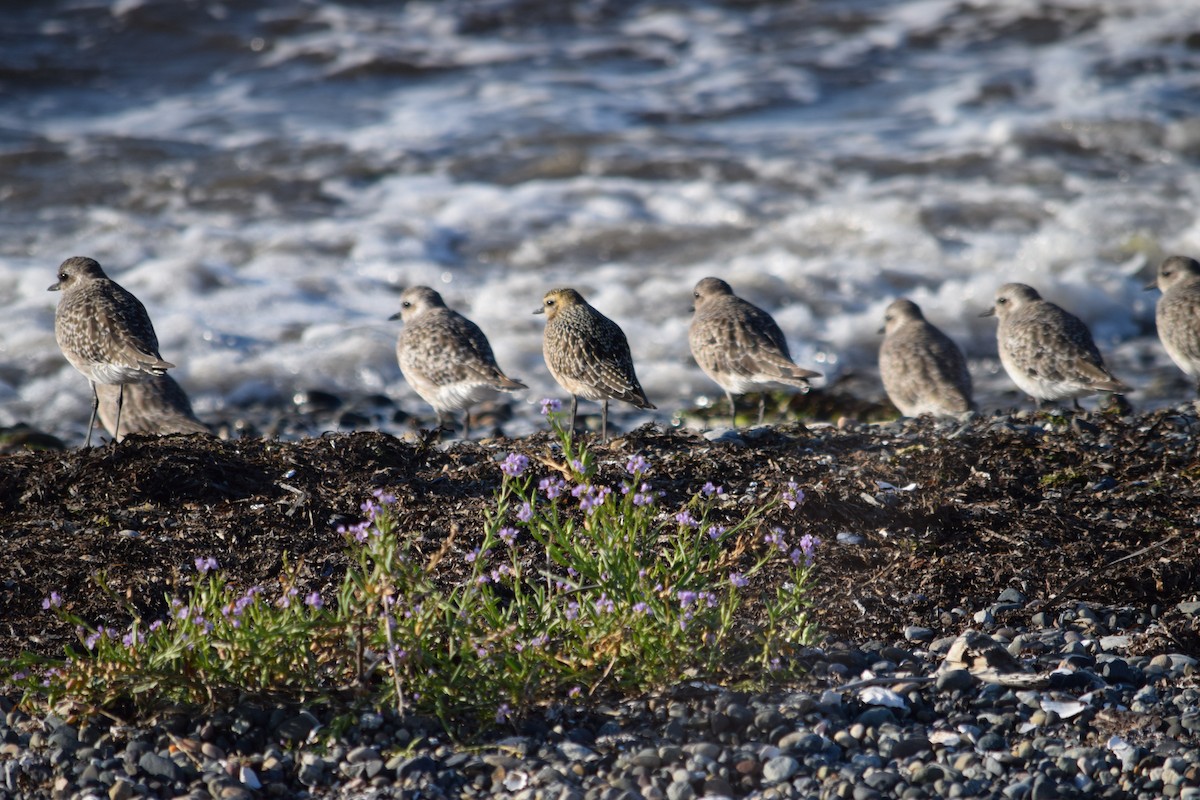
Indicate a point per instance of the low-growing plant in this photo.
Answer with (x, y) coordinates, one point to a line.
(577, 586)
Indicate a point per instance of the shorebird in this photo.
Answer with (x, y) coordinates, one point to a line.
(1048, 352)
(157, 405)
(104, 332)
(588, 355)
(1178, 313)
(445, 357)
(923, 371)
(739, 346)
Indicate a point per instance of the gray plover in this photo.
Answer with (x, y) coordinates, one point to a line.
(445, 357)
(923, 370)
(588, 355)
(1178, 313)
(740, 346)
(104, 332)
(156, 406)
(1048, 352)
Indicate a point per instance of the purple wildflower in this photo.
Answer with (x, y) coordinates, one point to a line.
(551, 405)
(53, 601)
(604, 605)
(471, 556)
(709, 490)
(775, 539)
(686, 598)
(93, 638)
(637, 465)
(240, 605)
(791, 495)
(572, 611)
(314, 600)
(525, 512)
(508, 535)
(383, 497)
(503, 713)
(371, 509)
(514, 465)
(640, 608)
(358, 531)
(685, 519)
(591, 497)
(716, 531)
(285, 600)
(643, 497)
(205, 564)
(552, 487)
(807, 550)
(738, 580)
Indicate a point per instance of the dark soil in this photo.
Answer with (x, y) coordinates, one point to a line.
(1097, 510)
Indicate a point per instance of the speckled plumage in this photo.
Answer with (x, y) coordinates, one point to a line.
(104, 331)
(739, 345)
(1178, 313)
(1048, 352)
(445, 357)
(156, 406)
(587, 354)
(923, 371)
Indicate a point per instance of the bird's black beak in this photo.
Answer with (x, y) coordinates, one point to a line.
(55, 287)
(395, 316)
(991, 312)
(539, 310)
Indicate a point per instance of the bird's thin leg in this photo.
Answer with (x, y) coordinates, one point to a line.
(574, 410)
(732, 410)
(762, 406)
(120, 405)
(467, 424)
(604, 421)
(95, 409)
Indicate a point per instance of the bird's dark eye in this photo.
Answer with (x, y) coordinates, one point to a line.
(62, 276)
(696, 295)
(1001, 300)
(406, 304)
(549, 302)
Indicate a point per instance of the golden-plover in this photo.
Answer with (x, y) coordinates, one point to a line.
(1178, 313)
(156, 406)
(105, 332)
(740, 346)
(445, 357)
(923, 370)
(587, 354)
(1048, 352)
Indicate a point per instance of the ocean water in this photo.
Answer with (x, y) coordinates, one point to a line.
(267, 177)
